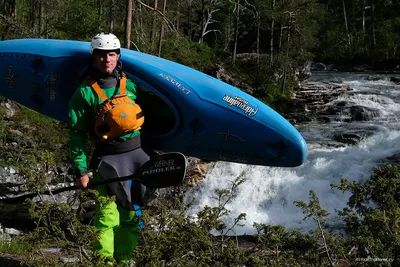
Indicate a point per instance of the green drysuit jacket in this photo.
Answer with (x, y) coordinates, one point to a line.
(82, 108)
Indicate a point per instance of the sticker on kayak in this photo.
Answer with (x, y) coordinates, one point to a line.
(51, 85)
(241, 103)
(16, 55)
(176, 83)
(230, 136)
(10, 77)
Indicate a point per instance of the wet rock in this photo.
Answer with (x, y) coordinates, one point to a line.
(394, 160)
(12, 171)
(315, 101)
(305, 71)
(8, 260)
(361, 68)
(311, 99)
(361, 113)
(221, 74)
(395, 79)
(318, 66)
(324, 144)
(11, 107)
(349, 138)
(197, 174)
(374, 78)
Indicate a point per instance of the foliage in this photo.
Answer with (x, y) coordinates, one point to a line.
(37, 136)
(373, 215)
(330, 246)
(32, 144)
(375, 42)
(172, 238)
(15, 246)
(188, 53)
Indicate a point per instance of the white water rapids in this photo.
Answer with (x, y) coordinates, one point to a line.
(268, 194)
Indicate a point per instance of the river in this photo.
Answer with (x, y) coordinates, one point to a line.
(268, 194)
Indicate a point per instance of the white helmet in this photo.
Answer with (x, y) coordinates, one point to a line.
(104, 41)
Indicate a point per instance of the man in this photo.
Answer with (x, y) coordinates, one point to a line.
(104, 105)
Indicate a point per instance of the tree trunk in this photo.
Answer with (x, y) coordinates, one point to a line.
(153, 27)
(280, 38)
(99, 10)
(228, 33)
(237, 14)
(32, 15)
(42, 19)
(206, 17)
(189, 20)
(8, 7)
(14, 10)
(111, 16)
(203, 20)
(272, 36)
(161, 30)
(286, 62)
(128, 24)
(331, 261)
(258, 35)
(177, 20)
(373, 24)
(346, 25)
(363, 15)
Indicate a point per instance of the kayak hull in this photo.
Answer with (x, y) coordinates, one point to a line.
(210, 120)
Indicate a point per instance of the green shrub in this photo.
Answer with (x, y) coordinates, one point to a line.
(186, 52)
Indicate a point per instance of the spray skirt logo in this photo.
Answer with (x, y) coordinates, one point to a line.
(242, 104)
(162, 166)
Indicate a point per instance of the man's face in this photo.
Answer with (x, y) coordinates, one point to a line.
(105, 61)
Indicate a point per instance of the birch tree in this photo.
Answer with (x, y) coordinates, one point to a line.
(128, 24)
(162, 29)
(153, 27)
(346, 25)
(111, 16)
(236, 12)
(256, 10)
(373, 24)
(272, 34)
(208, 8)
(363, 15)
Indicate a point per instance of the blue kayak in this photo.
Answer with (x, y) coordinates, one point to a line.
(188, 111)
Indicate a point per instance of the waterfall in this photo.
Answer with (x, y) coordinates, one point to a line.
(268, 193)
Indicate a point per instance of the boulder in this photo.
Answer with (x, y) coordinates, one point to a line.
(11, 107)
(220, 73)
(361, 113)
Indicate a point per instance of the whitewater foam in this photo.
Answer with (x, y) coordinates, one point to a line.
(268, 194)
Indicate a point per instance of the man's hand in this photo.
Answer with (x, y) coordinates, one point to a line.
(82, 181)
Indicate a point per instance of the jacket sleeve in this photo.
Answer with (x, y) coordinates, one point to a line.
(78, 123)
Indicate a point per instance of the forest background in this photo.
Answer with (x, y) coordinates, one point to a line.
(264, 44)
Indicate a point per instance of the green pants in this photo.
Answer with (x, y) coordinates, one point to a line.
(119, 232)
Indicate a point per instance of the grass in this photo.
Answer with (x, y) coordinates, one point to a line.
(13, 246)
